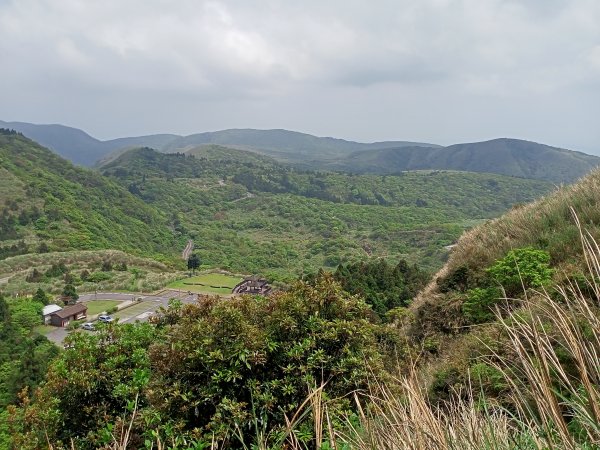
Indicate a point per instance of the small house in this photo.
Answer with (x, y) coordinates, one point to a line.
(252, 285)
(47, 311)
(69, 313)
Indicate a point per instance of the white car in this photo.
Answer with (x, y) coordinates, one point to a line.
(105, 318)
(88, 326)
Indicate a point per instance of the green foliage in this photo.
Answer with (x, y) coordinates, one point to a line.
(382, 285)
(70, 293)
(41, 297)
(480, 302)
(249, 215)
(97, 277)
(193, 262)
(24, 355)
(522, 268)
(207, 371)
(457, 280)
(89, 387)
(66, 207)
(230, 360)
(74, 324)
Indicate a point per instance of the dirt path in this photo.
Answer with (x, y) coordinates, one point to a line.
(187, 251)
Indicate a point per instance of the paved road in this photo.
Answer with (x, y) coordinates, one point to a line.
(137, 312)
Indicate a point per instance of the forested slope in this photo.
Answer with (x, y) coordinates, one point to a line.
(50, 205)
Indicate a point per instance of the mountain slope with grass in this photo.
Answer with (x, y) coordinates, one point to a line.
(513, 266)
(50, 205)
(503, 156)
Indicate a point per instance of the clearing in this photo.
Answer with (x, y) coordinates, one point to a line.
(98, 306)
(207, 283)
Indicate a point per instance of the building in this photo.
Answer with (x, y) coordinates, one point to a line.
(47, 312)
(252, 285)
(69, 313)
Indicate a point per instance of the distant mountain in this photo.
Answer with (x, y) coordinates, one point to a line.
(286, 146)
(283, 145)
(71, 143)
(502, 156)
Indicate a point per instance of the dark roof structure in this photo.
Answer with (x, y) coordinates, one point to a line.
(71, 310)
(253, 285)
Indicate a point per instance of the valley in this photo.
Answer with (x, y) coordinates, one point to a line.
(378, 267)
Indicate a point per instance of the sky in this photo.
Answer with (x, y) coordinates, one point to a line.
(439, 71)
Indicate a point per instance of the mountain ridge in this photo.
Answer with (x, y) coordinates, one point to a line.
(503, 156)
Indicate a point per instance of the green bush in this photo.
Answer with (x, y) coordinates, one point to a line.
(97, 277)
(74, 324)
(522, 268)
(236, 360)
(478, 307)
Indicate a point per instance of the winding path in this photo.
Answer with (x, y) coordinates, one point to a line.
(187, 251)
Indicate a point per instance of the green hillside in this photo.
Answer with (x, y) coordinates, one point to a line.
(259, 216)
(503, 156)
(50, 205)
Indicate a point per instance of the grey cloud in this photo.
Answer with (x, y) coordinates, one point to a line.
(313, 66)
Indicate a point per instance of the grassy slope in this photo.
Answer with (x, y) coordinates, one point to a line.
(47, 199)
(142, 274)
(547, 224)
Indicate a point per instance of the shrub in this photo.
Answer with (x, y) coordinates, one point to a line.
(96, 277)
(522, 268)
(74, 324)
(245, 358)
(478, 307)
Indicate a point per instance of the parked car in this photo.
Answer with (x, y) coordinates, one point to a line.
(88, 326)
(105, 318)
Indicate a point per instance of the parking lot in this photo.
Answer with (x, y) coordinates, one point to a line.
(138, 311)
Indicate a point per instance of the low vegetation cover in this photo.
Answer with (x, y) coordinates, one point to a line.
(207, 283)
(87, 271)
(255, 215)
(24, 354)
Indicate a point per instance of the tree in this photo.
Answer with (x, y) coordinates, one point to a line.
(193, 262)
(40, 296)
(70, 293)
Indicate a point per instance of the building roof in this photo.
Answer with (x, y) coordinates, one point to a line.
(72, 310)
(49, 309)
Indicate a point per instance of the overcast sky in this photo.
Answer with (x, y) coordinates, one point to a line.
(441, 71)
